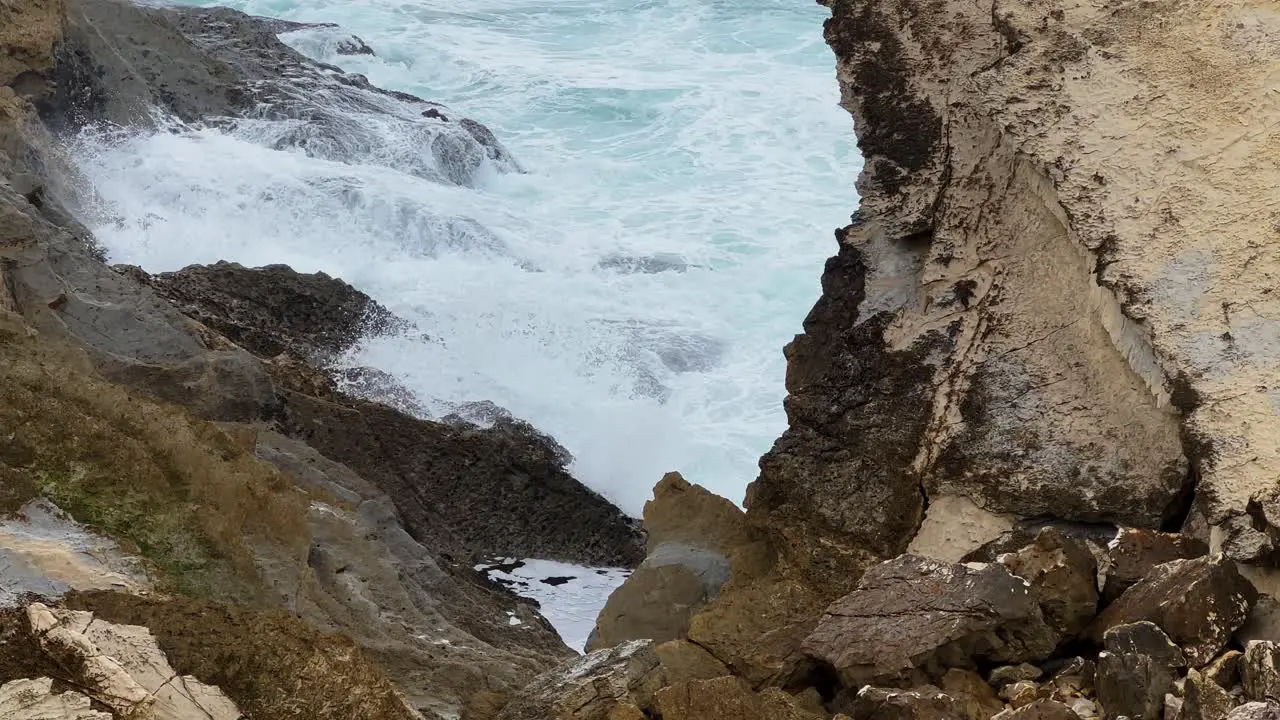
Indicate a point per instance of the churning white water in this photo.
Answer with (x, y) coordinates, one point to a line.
(631, 294)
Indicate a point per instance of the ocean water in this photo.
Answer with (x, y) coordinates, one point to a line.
(700, 139)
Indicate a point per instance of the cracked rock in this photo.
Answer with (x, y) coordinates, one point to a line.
(1135, 552)
(1063, 577)
(913, 613)
(923, 703)
(35, 700)
(1198, 603)
(1256, 711)
(592, 686)
(1260, 670)
(1203, 699)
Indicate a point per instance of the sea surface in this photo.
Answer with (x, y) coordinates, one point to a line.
(630, 293)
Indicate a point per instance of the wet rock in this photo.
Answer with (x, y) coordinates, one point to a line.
(1063, 577)
(974, 697)
(35, 700)
(911, 613)
(592, 686)
(1260, 670)
(381, 387)
(353, 45)
(1135, 552)
(1039, 710)
(1198, 603)
(692, 536)
(1203, 699)
(925, 703)
(1256, 711)
(274, 309)
(727, 697)
(644, 264)
(487, 414)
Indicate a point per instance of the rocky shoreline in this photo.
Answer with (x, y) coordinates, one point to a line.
(1029, 471)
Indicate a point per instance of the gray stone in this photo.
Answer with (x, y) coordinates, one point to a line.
(1256, 711)
(913, 613)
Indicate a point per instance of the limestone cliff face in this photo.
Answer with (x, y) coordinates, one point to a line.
(1057, 296)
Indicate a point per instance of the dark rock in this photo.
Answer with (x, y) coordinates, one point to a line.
(1074, 678)
(1134, 553)
(275, 309)
(1041, 710)
(1063, 577)
(486, 414)
(1132, 686)
(1203, 699)
(925, 703)
(1260, 670)
(1093, 535)
(915, 613)
(1144, 638)
(119, 61)
(380, 387)
(1256, 711)
(353, 45)
(497, 493)
(1198, 603)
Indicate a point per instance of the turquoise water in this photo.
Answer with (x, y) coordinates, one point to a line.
(697, 131)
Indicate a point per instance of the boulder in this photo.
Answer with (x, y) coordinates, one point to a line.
(1073, 679)
(1198, 603)
(1136, 671)
(1256, 711)
(592, 687)
(1135, 552)
(1024, 692)
(913, 613)
(274, 309)
(35, 700)
(1039, 710)
(1225, 669)
(1203, 699)
(1009, 674)
(1063, 577)
(682, 660)
(727, 697)
(1260, 670)
(924, 703)
(693, 536)
(1263, 622)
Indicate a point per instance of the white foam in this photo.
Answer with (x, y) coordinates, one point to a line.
(570, 602)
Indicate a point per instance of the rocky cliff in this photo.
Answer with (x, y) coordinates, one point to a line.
(1030, 463)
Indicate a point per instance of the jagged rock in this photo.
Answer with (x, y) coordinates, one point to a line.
(1073, 679)
(274, 309)
(1063, 577)
(912, 612)
(1225, 669)
(924, 703)
(727, 697)
(1198, 603)
(1172, 707)
(1203, 699)
(1039, 710)
(591, 687)
(1256, 711)
(974, 697)
(1144, 638)
(122, 667)
(682, 660)
(693, 535)
(487, 491)
(1024, 692)
(35, 700)
(955, 526)
(1136, 671)
(1135, 552)
(487, 414)
(1007, 674)
(1260, 670)
(353, 45)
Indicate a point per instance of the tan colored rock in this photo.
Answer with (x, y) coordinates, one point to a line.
(682, 660)
(976, 698)
(726, 697)
(694, 538)
(122, 667)
(592, 687)
(955, 526)
(29, 29)
(35, 700)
